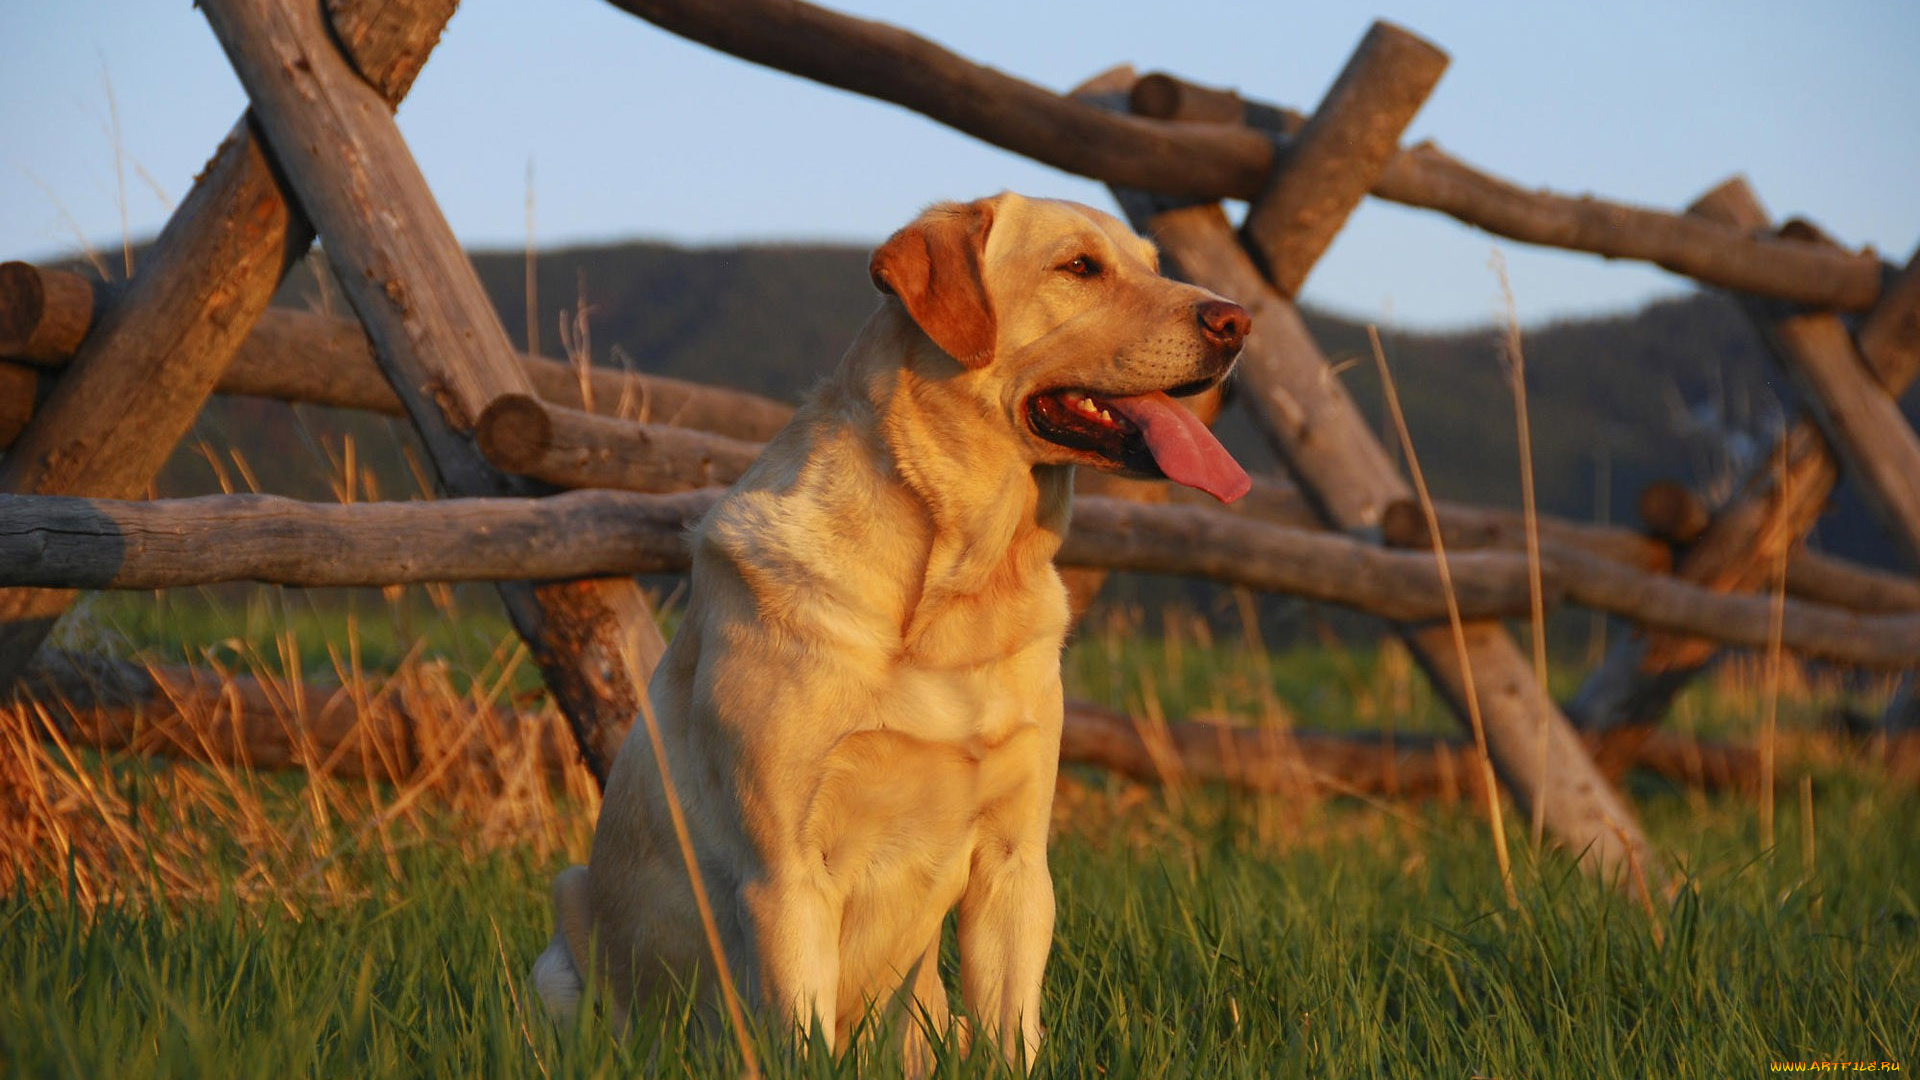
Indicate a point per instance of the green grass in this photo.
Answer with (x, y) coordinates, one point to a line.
(1213, 935)
(237, 622)
(1355, 944)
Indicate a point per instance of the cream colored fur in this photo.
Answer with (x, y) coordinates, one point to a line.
(862, 708)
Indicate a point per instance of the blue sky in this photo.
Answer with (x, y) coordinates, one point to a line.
(630, 132)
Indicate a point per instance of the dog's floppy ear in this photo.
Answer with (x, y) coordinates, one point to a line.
(933, 266)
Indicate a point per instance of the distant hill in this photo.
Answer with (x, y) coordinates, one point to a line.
(1679, 390)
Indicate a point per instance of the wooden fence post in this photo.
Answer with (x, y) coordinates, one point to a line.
(146, 368)
(1334, 455)
(1771, 512)
(1862, 422)
(1308, 409)
(1215, 161)
(435, 333)
(1341, 153)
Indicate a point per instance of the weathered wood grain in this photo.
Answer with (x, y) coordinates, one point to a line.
(59, 541)
(435, 332)
(574, 449)
(152, 357)
(66, 542)
(1775, 507)
(1462, 527)
(1889, 336)
(326, 360)
(1311, 421)
(1212, 161)
(1824, 579)
(1332, 452)
(20, 389)
(1340, 154)
(45, 314)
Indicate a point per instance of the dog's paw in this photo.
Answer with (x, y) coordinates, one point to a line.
(558, 979)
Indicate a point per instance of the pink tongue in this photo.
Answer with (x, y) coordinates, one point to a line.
(1182, 446)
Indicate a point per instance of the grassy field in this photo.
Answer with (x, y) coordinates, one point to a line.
(186, 921)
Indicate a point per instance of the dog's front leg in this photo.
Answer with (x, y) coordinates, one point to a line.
(796, 945)
(1006, 928)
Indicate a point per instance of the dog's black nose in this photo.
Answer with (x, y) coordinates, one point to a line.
(1224, 323)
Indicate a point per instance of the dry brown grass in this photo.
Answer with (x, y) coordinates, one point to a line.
(434, 765)
(285, 775)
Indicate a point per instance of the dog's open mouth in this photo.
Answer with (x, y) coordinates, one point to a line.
(1146, 434)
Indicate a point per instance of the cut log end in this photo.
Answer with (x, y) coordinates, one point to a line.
(1673, 513)
(1406, 49)
(1164, 97)
(1732, 202)
(44, 314)
(22, 301)
(515, 432)
(1403, 524)
(1340, 155)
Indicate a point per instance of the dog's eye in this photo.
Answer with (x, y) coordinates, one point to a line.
(1082, 266)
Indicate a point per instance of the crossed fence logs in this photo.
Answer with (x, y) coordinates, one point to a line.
(98, 384)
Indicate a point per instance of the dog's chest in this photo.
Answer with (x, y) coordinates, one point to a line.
(974, 703)
(900, 820)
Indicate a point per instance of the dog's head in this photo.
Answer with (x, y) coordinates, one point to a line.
(1059, 313)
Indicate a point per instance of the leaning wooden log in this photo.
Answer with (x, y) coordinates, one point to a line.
(1333, 162)
(1860, 418)
(435, 333)
(144, 372)
(197, 714)
(1889, 337)
(1765, 519)
(1331, 451)
(573, 449)
(891, 64)
(1350, 479)
(1316, 428)
(322, 360)
(20, 389)
(1214, 161)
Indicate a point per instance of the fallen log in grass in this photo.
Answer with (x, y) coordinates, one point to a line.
(1359, 763)
(389, 732)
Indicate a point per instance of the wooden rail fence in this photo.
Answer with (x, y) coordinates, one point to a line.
(560, 494)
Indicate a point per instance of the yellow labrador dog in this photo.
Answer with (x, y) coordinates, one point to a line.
(861, 711)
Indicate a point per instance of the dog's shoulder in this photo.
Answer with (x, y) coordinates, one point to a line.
(816, 525)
